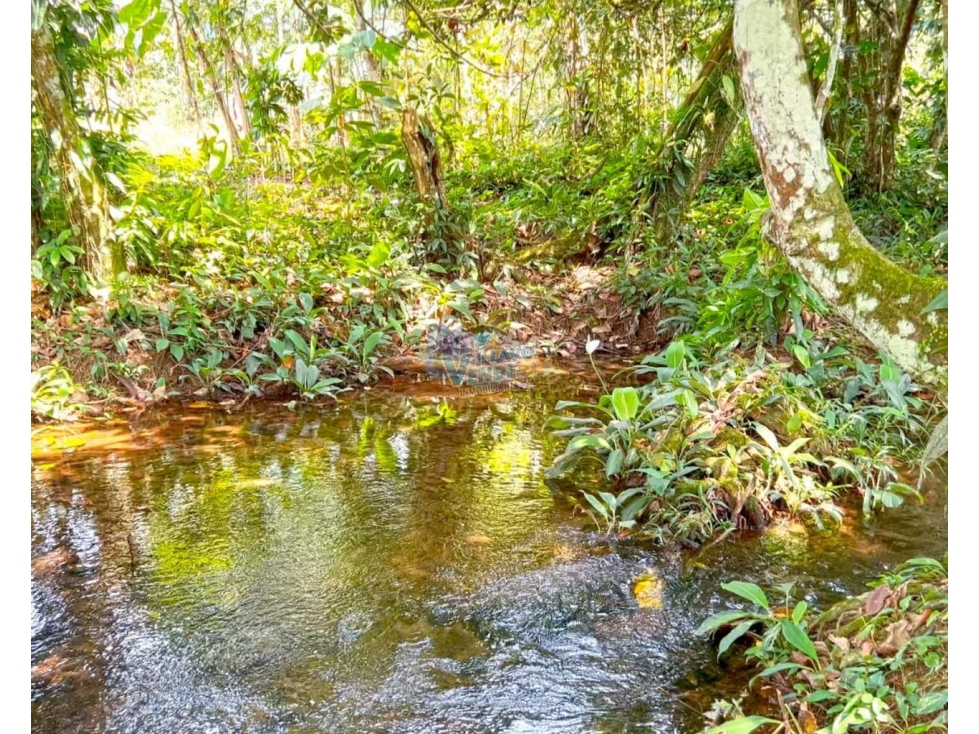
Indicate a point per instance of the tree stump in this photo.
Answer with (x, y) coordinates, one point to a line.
(418, 136)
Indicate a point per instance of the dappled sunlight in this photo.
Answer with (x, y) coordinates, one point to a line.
(505, 367)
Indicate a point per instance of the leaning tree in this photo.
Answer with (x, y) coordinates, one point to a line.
(809, 219)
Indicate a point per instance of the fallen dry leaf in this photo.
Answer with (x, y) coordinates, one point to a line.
(876, 600)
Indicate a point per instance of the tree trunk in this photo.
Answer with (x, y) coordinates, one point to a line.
(85, 200)
(372, 67)
(809, 219)
(418, 137)
(892, 99)
(236, 74)
(216, 89)
(939, 131)
(576, 87)
(694, 144)
(835, 126)
(882, 97)
(185, 64)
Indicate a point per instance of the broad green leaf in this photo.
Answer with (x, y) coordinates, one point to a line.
(729, 616)
(597, 504)
(217, 159)
(463, 308)
(802, 354)
(779, 668)
(625, 403)
(749, 591)
(889, 371)
(589, 442)
(379, 254)
(929, 703)
(729, 93)
(797, 637)
(609, 499)
(731, 637)
(371, 342)
(675, 354)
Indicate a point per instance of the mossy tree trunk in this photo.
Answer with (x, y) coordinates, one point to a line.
(85, 199)
(809, 220)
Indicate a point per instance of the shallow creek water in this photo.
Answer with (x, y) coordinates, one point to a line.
(392, 563)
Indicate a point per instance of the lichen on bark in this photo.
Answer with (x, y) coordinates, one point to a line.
(810, 221)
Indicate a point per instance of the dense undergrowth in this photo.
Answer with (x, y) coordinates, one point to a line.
(874, 662)
(270, 278)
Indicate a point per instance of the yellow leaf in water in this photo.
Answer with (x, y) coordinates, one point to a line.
(648, 591)
(199, 406)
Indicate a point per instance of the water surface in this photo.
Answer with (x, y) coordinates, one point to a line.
(392, 563)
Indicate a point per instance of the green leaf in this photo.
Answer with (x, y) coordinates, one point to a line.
(799, 612)
(766, 433)
(744, 725)
(625, 403)
(731, 637)
(587, 442)
(889, 371)
(371, 342)
(136, 12)
(797, 637)
(609, 499)
(675, 354)
(597, 504)
(802, 354)
(780, 668)
(940, 302)
(729, 616)
(379, 254)
(614, 462)
(749, 591)
(817, 696)
(463, 308)
(929, 703)
(728, 85)
(217, 159)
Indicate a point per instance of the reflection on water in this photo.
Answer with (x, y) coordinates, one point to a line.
(394, 563)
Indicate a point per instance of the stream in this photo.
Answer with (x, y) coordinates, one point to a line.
(393, 562)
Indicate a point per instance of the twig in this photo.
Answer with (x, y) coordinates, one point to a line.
(438, 39)
(834, 54)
